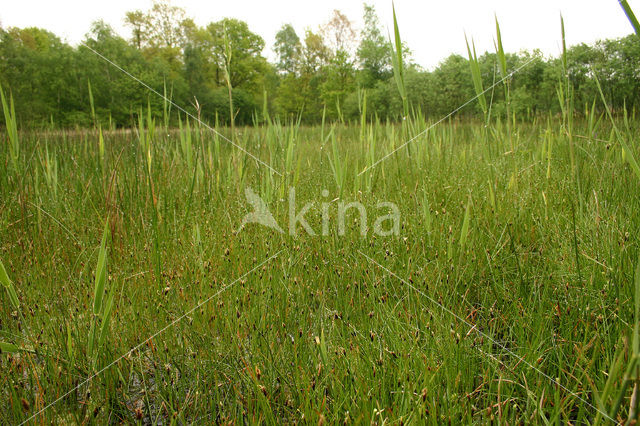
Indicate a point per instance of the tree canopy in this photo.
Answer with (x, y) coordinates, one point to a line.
(321, 72)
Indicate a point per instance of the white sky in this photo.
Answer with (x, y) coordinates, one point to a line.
(432, 29)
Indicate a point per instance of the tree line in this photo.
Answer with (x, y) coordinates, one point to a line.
(219, 72)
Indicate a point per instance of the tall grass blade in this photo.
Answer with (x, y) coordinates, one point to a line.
(101, 144)
(91, 104)
(630, 15)
(101, 273)
(564, 46)
(398, 66)
(464, 233)
(8, 348)
(476, 75)
(106, 316)
(12, 127)
(8, 285)
(502, 59)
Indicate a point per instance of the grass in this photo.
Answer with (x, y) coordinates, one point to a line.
(513, 296)
(11, 127)
(320, 332)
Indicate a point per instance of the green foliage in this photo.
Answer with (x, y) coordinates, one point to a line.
(6, 347)
(172, 242)
(374, 51)
(102, 307)
(398, 66)
(476, 76)
(190, 64)
(626, 147)
(502, 59)
(101, 274)
(630, 15)
(234, 47)
(163, 27)
(287, 46)
(8, 286)
(338, 165)
(464, 232)
(12, 128)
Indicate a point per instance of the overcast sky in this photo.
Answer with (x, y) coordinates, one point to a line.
(432, 29)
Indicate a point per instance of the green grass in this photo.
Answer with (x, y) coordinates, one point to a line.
(503, 240)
